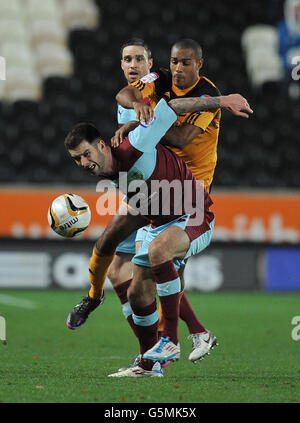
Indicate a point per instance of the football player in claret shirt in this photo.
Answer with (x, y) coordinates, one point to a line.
(194, 138)
(141, 154)
(190, 229)
(136, 59)
(136, 62)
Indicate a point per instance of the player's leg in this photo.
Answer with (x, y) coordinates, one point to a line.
(186, 313)
(161, 254)
(121, 271)
(202, 339)
(142, 298)
(121, 268)
(120, 275)
(119, 228)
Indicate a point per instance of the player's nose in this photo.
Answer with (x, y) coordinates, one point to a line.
(178, 67)
(134, 63)
(84, 162)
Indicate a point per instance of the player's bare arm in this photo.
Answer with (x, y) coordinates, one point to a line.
(181, 136)
(235, 103)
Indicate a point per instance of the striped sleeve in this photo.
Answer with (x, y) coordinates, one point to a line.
(146, 89)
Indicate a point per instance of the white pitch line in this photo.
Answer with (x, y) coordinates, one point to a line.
(16, 302)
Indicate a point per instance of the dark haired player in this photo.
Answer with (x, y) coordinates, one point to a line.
(140, 153)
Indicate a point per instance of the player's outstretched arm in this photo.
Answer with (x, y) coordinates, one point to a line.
(235, 103)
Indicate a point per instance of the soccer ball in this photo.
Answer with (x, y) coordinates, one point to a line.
(69, 215)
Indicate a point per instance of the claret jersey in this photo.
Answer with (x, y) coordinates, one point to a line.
(140, 157)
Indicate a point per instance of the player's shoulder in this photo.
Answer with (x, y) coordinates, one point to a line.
(206, 87)
(159, 74)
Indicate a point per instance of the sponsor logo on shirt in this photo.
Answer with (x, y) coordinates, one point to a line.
(147, 79)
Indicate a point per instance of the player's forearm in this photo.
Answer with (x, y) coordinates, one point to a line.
(128, 96)
(234, 103)
(191, 104)
(181, 136)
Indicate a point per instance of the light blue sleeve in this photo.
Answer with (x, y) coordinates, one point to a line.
(125, 115)
(145, 138)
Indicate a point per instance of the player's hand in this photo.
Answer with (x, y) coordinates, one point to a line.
(236, 104)
(118, 138)
(143, 111)
(122, 133)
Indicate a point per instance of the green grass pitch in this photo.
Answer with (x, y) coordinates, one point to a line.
(257, 361)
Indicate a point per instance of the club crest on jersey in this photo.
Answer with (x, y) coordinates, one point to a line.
(135, 174)
(126, 178)
(147, 79)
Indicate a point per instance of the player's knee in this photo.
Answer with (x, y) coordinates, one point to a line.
(133, 295)
(113, 275)
(159, 252)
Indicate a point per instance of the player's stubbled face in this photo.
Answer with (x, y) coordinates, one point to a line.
(184, 67)
(94, 158)
(135, 63)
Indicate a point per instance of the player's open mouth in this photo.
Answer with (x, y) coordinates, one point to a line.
(91, 168)
(134, 74)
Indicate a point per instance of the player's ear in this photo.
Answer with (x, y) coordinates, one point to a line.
(200, 64)
(101, 145)
(150, 62)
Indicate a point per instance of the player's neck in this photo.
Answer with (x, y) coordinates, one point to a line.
(181, 90)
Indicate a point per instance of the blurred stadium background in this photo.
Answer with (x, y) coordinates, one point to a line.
(60, 64)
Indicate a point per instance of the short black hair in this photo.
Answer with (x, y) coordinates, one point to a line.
(136, 42)
(83, 131)
(186, 43)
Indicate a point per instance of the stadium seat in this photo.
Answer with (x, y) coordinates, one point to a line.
(18, 53)
(45, 9)
(11, 9)
(263, 64)
(269, 71)
(80, 14)
(13, 29)
(258, 35)
(44, 31)
(21, 83)
(53, 59)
